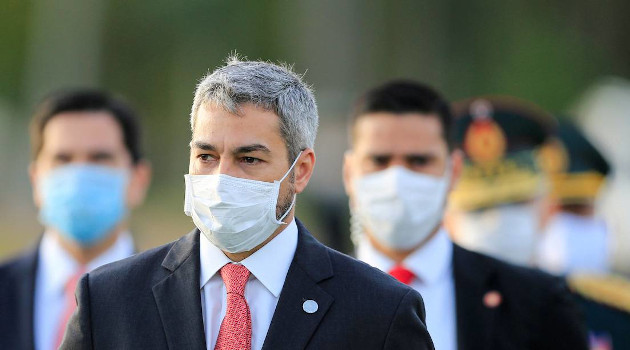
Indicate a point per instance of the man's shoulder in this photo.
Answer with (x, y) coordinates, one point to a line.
(17, 278)
(527, 278)
(349, 273)
(358, 275)
(134, 270)
(148, 259)
(19, 266)
(375, 302)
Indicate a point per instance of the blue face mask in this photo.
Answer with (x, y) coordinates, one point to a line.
(83, 202)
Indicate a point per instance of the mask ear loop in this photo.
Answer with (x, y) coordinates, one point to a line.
(294, 196)
(291, 167)
(288, 211)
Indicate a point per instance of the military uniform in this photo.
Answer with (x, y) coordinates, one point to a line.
(578, 243)
(575, 239)
(496, 204)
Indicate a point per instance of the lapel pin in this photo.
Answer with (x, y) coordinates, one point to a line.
(492, 299)
(310, 306)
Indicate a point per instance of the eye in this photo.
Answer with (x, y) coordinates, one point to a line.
(102, 157)
(62, 158)
(380, 161)
(418, 160)
(205, 157)
(250, 160)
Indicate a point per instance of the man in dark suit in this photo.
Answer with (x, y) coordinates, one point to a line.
(251, 276)
(398, 173)
(87, 172)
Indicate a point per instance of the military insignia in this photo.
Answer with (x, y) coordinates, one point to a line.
(610, 290)
(485, 141)
(600, 341)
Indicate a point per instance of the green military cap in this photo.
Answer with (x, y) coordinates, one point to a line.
(501, 138)
(577, 169)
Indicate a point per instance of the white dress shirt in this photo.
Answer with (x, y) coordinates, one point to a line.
(432, 265)
(55, 268)
(573, 243)
(268, 269)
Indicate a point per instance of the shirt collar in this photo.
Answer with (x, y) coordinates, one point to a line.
(429, 262)
(56, 266)
(269, 264)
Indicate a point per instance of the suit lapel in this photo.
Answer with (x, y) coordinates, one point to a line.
(178, 296)
(475, 321)
(291, 326)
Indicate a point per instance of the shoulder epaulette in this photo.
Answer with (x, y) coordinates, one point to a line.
(610, 290)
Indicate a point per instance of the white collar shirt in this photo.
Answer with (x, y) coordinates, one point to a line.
(432, 266)
(55, 268)
(268, 269)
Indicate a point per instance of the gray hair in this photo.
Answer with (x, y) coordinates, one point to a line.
(269, 86)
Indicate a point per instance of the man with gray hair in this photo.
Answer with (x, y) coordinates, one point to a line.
(250, 276)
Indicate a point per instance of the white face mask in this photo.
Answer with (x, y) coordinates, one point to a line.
(399, 207)
(507, 232)
(235, 214)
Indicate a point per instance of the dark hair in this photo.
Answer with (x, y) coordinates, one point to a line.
(404, 96)
(86, 100)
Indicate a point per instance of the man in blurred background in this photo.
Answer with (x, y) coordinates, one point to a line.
(498, 207)
(575, 239)
(577, 242)
(87, 173)
(398, 173)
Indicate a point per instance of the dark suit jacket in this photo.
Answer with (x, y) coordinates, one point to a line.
(606, 323)
(153, 301)
(17, 293)
(536, 312)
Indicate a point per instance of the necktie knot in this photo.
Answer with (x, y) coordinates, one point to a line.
(235, 276)
(402, 274)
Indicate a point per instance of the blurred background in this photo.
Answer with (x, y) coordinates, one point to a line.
(569, 57)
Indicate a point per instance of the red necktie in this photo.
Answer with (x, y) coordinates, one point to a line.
(236, 328)
(402, 274)
(71, 305)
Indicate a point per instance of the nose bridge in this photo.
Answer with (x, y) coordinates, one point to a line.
(227, 166)
(80, 158)
(398, 160)
(223, 167)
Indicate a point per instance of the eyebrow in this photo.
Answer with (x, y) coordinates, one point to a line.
(427, 155)
(101, 154)
(239, 150)
(203, 146)
(252, 148)
(419, 155)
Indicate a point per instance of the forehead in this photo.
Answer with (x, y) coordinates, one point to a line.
(388, 132)
(252, 124)
(70, 131)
